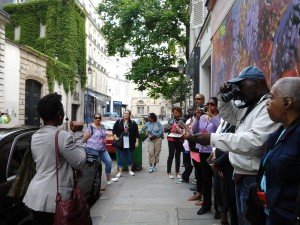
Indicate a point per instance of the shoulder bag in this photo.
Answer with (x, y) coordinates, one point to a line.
(118, 143)
(74, 211)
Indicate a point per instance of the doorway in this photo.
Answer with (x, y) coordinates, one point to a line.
(32, 96)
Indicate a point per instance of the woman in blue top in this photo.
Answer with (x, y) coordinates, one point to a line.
(95, 136)
(281, 164)
(155, 135)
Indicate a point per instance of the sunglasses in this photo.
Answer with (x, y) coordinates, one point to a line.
(210, 104)
(97, 118)
(197, 99)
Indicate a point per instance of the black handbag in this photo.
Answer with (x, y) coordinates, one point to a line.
(118, 143)
(74, 211)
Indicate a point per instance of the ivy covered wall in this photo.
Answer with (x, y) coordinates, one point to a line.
(64, 39)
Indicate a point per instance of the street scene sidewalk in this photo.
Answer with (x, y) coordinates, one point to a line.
(149, 198)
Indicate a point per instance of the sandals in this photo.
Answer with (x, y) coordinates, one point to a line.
(199, 203)
(194, 198)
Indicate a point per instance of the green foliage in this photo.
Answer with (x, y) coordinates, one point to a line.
(65, 37)
(150, 30)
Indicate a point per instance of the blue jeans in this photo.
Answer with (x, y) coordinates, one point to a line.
(124, 153)
(104, 157)
(241, 192)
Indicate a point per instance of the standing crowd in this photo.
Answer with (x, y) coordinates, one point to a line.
(243, 145)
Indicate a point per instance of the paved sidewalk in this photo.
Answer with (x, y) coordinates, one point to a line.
(149, 199)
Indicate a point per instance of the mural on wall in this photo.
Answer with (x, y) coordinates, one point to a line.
(265, 33)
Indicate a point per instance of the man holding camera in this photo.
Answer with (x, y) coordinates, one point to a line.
(242, 103)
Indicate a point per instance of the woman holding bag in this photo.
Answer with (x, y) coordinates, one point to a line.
(128, 130)
(41, 192)
(95, 137)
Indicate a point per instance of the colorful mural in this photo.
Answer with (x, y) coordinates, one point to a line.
(265, 33)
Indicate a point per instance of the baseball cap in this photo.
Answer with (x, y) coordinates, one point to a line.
(250, 72)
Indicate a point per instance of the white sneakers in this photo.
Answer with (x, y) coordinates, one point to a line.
(131, 173)
(112, 180)
(118, 175)
(178, 176)
(171, 176)
(150, 169)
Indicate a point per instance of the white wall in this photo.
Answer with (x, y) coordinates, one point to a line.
(11, 83)
(205, 60)
(218, 14)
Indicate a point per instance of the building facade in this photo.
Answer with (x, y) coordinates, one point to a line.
(240, 33)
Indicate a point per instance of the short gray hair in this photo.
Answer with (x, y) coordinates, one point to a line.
(289, 87)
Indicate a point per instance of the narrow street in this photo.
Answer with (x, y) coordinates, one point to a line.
(148, 198)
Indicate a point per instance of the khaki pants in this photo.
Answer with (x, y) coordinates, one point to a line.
(154, 148)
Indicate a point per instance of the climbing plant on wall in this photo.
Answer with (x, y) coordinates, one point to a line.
(64, 40)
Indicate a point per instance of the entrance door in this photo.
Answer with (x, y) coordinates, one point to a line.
(74, 112)
(32, 96)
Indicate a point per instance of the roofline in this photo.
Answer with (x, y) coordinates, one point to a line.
(4, 16)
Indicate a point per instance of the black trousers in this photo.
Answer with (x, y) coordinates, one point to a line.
(42, 218)
(198, 174)
(188, 168)
(175, 148)
(207, 175)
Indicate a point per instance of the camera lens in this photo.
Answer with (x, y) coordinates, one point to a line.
(226, 97)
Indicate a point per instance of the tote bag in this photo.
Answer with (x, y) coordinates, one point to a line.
(74, 211)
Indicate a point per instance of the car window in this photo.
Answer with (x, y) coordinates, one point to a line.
(138, 121)
(19, 147)
(108, 124)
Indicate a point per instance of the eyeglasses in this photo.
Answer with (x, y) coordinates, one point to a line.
(210, 104)
(197, 99)
(97, 118)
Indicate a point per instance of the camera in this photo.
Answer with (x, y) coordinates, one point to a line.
(234, 90)
(204, 109)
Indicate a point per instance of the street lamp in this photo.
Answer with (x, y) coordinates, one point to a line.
(181, 70)
(89, 70)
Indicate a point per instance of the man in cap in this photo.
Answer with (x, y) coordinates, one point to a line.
(253, 126)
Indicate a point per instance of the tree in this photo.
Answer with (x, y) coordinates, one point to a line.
(150, 30)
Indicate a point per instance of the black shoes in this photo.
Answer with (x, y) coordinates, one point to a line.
(217, 215)
(203, 210)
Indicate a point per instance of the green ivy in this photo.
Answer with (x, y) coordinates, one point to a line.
(64, 39)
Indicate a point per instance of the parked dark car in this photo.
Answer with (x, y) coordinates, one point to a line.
(13, 144)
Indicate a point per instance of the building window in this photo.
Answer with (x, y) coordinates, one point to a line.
(42, 30)
(140, 107)
(17, 33)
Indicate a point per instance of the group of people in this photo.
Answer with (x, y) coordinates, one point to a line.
(247, 134)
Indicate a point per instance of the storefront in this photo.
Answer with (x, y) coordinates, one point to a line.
(94, 102)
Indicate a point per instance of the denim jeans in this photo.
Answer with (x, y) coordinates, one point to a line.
(104, 157)
(241, 191)
(124, 153)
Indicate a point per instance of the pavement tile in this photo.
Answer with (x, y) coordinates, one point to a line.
(148, 198)
(100, 208)
(116, 215)
(150, 216)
